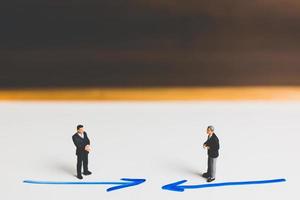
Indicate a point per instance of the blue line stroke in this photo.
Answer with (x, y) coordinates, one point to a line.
(178, 187)
(127, 182)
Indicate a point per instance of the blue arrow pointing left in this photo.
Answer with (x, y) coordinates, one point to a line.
(179, 187)
(127, 182)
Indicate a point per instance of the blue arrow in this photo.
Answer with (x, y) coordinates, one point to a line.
(127, 182)
(178, 187)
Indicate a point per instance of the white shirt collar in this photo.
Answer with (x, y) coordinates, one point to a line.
(81, 135)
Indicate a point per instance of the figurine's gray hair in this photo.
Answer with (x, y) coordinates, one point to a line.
(211, 128)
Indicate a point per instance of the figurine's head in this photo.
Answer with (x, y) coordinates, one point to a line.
(80, 128)
(210, 130)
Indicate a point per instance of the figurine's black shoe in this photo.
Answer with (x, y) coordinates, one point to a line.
(210, 179)
(205, 175)
(87, 173)
(79, 177)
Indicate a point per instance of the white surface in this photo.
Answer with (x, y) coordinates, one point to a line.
(161, 142)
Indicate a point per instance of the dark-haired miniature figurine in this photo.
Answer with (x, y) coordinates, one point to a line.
(83, 148)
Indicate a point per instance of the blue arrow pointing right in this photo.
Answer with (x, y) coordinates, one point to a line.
(126, 182)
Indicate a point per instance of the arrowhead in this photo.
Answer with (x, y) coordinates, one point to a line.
(128, 182)
(175, 186)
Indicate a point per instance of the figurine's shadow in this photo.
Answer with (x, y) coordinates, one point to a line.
(193, 172)
(185, 169)
(66, 169)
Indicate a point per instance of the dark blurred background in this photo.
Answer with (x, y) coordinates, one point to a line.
(141, 43)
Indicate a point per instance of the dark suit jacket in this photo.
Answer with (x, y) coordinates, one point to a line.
(80, 142)
(213, 143)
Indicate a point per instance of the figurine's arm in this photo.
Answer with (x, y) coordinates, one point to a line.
(78, 144)
(214, 144)
(88, 140)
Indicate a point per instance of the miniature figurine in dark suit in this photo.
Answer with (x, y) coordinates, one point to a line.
(212, 145)
(82, 144)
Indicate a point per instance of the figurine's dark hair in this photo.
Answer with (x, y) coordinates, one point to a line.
(79, 126)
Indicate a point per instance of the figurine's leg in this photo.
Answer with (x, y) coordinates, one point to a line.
(85, 163)
(213, 168)
(209, 163)
(79, 164)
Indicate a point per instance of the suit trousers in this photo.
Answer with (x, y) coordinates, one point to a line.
(211, 167)
(82, 158)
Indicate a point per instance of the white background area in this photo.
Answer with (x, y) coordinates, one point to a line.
(158, 141)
